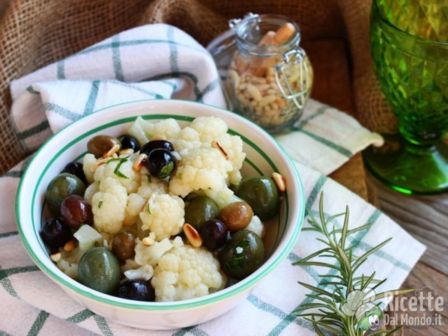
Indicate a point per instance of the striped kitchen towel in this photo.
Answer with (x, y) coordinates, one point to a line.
(160, 61)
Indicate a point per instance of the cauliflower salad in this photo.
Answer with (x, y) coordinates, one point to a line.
(161, 213)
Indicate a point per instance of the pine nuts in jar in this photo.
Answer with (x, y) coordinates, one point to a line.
(270, 77)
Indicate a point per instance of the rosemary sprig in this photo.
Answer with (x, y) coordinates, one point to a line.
(341, 303)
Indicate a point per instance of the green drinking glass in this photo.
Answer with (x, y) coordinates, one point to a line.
(409, 45)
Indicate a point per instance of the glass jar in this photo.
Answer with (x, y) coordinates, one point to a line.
(270, 76)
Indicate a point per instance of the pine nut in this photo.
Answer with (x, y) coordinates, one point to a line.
(192, 235)
(267, 100)
(279, 181)
(56, 257)
(138, 163)
(126, 152)
(115, 148)
(253, 92)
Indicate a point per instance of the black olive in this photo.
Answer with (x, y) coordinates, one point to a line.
(156, 144)
(129, 142)
(139, 290)
(160, 163)
(55, 234)
(75, 168)
(213, 234)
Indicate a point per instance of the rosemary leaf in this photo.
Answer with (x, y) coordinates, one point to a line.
(364, 257)
(379, 284)
(388, 293)
(344, 229)
(315, 254)
(315, 263)
(317, 289)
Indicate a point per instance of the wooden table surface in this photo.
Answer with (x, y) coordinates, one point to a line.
(426, 218)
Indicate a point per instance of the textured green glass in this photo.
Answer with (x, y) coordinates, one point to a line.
(411, 62)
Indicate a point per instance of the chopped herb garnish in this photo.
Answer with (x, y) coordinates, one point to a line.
(117, 168)
(167, 170)
(148, 209)
(100, 204)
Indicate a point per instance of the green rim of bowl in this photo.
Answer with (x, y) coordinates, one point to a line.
(158, 306)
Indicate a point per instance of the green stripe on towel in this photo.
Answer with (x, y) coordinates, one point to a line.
(302, 123)
(38, 323)
(328, 143)
(33, 130)
(91, 100)
(102, 325)
(173, 50)
(31, 90)
(62, 111)
(7, 285)
(16, 270)
(210, 87)
(190, 330)
(8, 234)
(13, 173)
(60, 70)
(264, 306)
(81, 316)
(116, 58)
(315, 191)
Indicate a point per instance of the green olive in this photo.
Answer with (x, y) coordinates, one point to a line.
(60, 187)
(236, 215)
(101, 144)
(262, 195)
(99, 269)
(199, 210)
(242, 255)
(123, 245)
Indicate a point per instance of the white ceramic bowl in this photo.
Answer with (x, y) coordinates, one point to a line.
(264, 156)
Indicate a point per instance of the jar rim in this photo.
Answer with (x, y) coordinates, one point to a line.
(253, 47)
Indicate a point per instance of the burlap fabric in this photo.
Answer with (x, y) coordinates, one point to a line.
(34, 33)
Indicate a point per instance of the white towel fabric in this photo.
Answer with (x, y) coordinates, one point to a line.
(160, 61)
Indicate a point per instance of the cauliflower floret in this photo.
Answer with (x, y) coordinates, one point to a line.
(164, 129)
(186, 272)
(144, 272)
(188, 138)
(233, 146)
(109, 206)
(134, 206)
(90, 191)
(200, 169)
(121, 170)
(89, 166)
(146, 130)
(209, 128)
(150, 255)
(151, 186)
(163, 215)
(137, 131)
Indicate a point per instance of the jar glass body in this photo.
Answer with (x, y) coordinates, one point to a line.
(270, 77)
